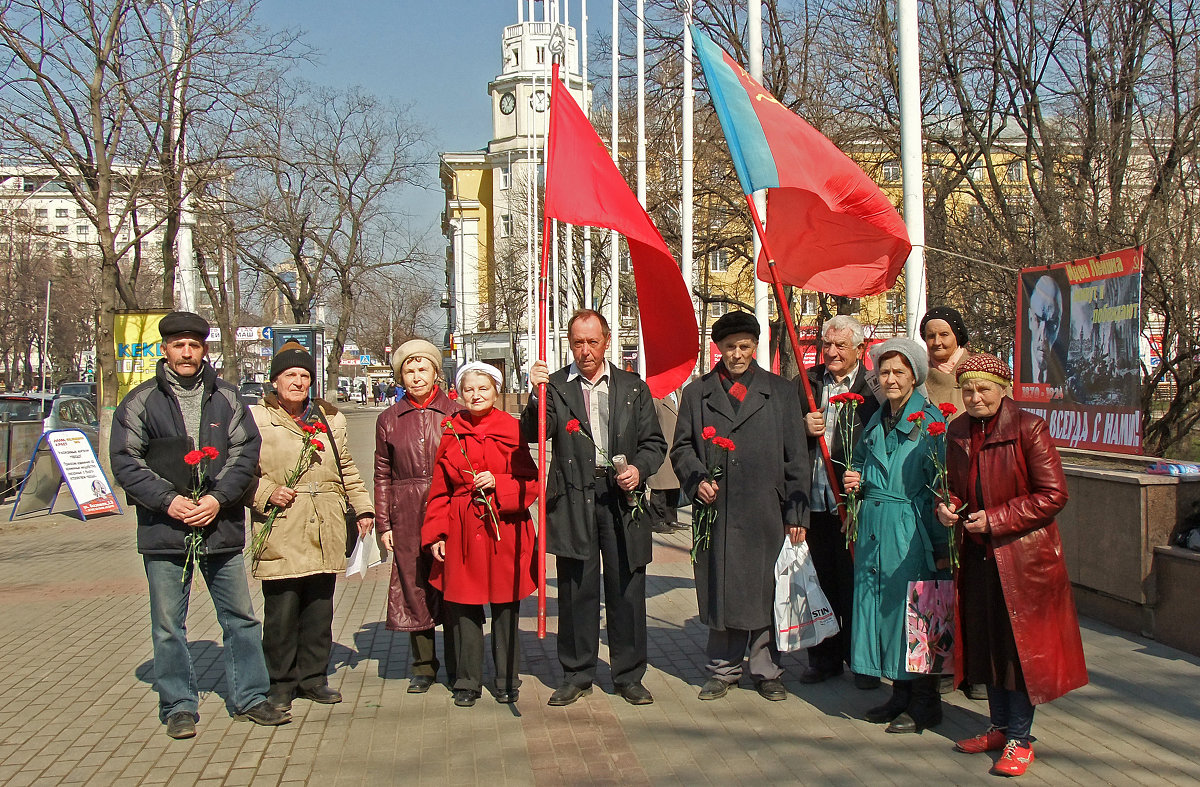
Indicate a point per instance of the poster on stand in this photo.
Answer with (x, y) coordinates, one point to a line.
(1078, 351)
(65, 455)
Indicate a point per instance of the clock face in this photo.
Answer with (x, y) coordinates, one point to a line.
(539, 101)
(508, 102)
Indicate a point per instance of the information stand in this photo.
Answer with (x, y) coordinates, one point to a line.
(65, 454)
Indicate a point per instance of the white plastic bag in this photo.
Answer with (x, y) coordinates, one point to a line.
(366, 555)
(803, 616)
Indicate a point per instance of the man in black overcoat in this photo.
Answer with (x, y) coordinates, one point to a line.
(842, 348)
(595, 412)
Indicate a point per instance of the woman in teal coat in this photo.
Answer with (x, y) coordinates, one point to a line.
(899, 539)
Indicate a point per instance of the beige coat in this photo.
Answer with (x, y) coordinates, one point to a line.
(309, 536)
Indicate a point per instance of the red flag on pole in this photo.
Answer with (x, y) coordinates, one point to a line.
(584, 186)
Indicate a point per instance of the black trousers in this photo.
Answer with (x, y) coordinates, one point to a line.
(424, 653)
(835, 572)
(465, 629)
(298, 631)
(663, 506)
(579, 583)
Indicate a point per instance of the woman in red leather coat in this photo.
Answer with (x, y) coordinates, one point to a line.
(406, 440)
(479, 531)
(1018, 632)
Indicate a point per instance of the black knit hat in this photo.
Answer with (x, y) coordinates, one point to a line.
(951, 317)
(735, 322)
(290, 355)
(176, 323)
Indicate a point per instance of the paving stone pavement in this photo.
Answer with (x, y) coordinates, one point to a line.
(77, 704)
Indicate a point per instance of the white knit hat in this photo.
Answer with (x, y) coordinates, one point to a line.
(479, 366)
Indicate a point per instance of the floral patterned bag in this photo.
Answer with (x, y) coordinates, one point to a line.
(929, 627)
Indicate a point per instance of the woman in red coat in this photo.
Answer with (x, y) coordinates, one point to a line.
(478, 528)
(407, 435)
(1018, 632)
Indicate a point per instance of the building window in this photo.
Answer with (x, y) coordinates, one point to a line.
(718, 261)
(41, 213)
(81, 229)
(718, 309)
(541, 55)
(1015, 172)
(80, 213)
(506, 225)
(810, 303)
(61, 213)
(978, 216)
(628, 315)
(505, 177)
(62, 246)
(895, 303)
(61, 229)
(978, 171)
(891, 171)
(22, 213)
(514, 56)
(626, 263)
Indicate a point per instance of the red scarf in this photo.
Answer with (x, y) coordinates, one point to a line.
(424, 404)
(736, 390)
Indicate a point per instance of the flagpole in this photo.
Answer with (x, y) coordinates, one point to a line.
(762, 311)
(785, 314)
(641, 148)
(587, 112)
(614, 256)
(911, 166)
(687, 174)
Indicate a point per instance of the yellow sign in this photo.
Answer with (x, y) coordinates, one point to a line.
(139, 347)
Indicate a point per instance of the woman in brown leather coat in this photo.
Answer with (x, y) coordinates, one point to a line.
(406, 440)
(1018, 631)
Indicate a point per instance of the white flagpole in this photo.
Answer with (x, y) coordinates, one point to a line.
(641, 143)
(614, 257)
(762, 305)
(911, 166)
(687, 187)
(587, 302)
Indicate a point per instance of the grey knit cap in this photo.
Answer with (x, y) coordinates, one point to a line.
(913, 351)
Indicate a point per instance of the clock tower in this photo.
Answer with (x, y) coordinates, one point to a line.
(492, 219)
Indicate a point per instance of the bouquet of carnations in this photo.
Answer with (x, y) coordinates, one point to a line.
(704, 514)
(193, 542)
(846, 405)
(312, 444)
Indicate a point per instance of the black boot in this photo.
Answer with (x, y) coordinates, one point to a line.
(925, 709)
(896, 705)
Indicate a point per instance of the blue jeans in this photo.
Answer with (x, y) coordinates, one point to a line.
(1012, 712)
(245, 667)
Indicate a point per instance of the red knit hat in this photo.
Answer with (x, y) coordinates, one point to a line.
(985, 367)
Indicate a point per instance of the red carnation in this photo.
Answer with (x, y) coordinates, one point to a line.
(916, 418)
(446, 422)
(210, 452)
(723, 442)
(709, 432)
(453, 394)
(573, 426)
(853, 397)
(947, 409)
(317, 444)
(838, 398)
(937, 427)
(308, 428)
(320, 427)
(193, 457)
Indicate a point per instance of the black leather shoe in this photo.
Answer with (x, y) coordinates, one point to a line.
(568, 693)
(282, 700)
(322, 694)
(714, 689)
(772, 690)
(507, 697)
(866, 682)
(663, 529)
(419, 684)
(465, 698)
(181, 724)
(818, 675)
(904, 723)
(634, 693)
(266, 714)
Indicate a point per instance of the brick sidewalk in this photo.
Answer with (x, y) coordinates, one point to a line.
(76, 704)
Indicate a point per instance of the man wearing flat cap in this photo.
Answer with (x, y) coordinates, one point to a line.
(746, 422)
(187, 407)
(595, 412)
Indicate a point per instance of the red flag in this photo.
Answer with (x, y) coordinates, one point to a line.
(829, 226)
(584, 186)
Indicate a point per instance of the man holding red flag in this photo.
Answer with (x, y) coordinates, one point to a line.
(597, 416)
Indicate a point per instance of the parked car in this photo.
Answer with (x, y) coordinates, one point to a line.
(55, 412)
(86, 390)
(251, 393)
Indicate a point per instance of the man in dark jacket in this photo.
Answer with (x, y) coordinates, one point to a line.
(594, 413)
(187, 407)
(842, 348)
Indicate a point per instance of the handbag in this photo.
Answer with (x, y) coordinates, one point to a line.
(351, 516)
(803, 616)
(929, 627)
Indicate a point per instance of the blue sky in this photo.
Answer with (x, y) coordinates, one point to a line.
(435, 55)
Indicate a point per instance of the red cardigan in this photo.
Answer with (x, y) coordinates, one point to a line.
(479, 569)
(1023, 489)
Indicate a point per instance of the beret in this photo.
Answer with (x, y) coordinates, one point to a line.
(416, 348)
(951, 317)
(985, 367)
(176, 323)
(913, 351)
(735, 322)
(290, 355)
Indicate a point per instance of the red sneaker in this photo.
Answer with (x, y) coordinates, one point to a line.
(1014, 761)
(991, 740)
